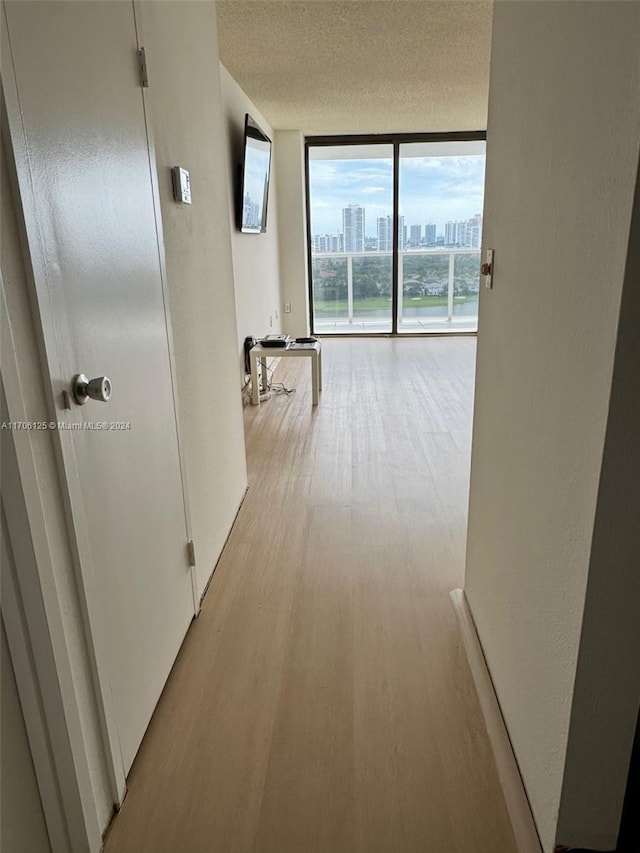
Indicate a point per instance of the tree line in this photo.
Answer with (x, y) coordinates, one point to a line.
(423, 275)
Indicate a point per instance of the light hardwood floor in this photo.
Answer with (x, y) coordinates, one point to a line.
(322, 702)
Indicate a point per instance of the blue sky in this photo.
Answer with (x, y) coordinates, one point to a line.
(432, 189)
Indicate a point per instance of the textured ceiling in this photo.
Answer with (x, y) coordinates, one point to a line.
(360, 66)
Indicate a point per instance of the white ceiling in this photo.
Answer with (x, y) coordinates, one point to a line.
(360, 66)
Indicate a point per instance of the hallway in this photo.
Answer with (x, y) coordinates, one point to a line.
(322, 702)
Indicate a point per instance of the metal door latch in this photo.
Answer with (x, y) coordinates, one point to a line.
(96, 389)
(486, 269)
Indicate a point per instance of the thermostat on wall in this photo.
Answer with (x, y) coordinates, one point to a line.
(181, 185)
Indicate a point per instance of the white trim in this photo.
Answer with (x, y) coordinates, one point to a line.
(36, 638)
(30, 701)
(515, 796)
(155, 189)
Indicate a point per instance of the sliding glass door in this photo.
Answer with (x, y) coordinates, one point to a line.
(395, 229)
(441, 186)
(351, 211)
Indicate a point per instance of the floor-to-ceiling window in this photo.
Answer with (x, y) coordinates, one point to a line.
(351, 245)
(441, 186)
(395, 230)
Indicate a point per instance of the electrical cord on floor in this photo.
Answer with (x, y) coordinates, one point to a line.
(279, 387)
(246, 391)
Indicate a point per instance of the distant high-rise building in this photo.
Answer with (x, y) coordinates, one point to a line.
(323, 243)
(415, 235)
(402, 234)
(466, 234)
(476, 231)
(353, 228)
(385, 232)
(450, 233)
(430, 234)
(337, 243)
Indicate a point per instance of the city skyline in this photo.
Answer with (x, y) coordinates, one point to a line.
(434, 190)
(466, 233)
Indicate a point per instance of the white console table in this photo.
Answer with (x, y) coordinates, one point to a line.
(261, 354)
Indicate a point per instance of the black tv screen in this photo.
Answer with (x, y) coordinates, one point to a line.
(254, 184)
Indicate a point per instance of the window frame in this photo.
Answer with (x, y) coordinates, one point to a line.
(396, 140)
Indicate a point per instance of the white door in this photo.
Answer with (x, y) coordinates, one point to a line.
(93, 236)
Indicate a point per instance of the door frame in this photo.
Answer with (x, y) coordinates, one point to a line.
(396, 140)
(35, 632)
(38, 624)
(155, 189)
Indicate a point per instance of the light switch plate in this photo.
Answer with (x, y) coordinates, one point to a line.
(181, 185)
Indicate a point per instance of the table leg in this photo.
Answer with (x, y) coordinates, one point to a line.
(255, 387)
(314, 378)
(264, 375)
(320, 370)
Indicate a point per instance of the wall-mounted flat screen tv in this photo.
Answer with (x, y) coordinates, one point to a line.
(254, 183)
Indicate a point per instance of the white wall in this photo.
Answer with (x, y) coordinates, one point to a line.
(256, 265)
(190, 130)
(563, 137)
(604, 712)
(292, 220)
(22, 826)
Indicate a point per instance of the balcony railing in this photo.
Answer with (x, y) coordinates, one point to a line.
(442, 280)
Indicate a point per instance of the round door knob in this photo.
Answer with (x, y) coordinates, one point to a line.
(96, 389)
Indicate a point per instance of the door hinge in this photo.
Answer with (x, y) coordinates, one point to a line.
(191, 553)
(142, 67)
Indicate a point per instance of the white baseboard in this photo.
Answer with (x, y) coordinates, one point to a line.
(518, 808)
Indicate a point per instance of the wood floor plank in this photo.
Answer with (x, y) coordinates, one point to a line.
(322, 702)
